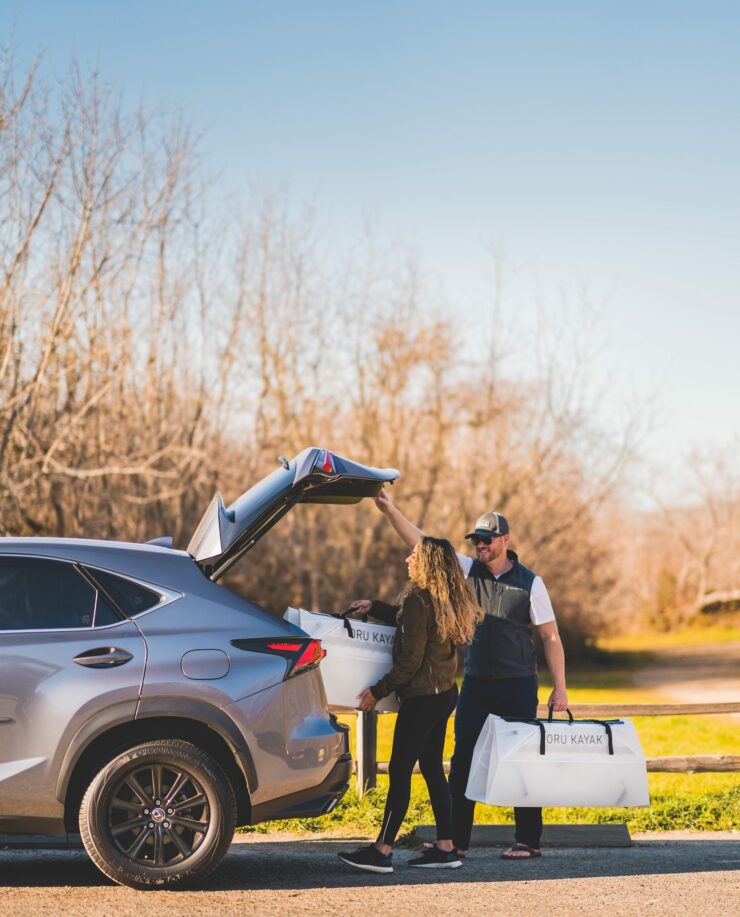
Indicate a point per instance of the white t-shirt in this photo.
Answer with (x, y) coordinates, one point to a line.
(540, 606)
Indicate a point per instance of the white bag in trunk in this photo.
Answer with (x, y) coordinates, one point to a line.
(358, 654)
(576, 769)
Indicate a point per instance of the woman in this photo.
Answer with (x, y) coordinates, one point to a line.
(436, 613)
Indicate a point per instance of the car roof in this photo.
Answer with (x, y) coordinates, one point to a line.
(44, 543)
(148, 561)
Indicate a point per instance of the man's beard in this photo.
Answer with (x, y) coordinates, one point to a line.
(494, 551)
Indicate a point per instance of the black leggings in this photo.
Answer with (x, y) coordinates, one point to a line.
(419, 736)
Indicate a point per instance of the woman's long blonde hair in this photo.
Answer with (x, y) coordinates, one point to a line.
(437, 570)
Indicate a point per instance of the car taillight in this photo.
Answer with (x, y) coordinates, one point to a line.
(327, 462)
(301, 653)
(311, 656)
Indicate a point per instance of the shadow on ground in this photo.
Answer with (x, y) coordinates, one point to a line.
(308, 864)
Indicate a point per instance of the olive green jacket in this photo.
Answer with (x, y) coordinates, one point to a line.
(422, 662)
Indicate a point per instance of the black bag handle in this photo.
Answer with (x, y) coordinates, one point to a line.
(345, 620)
(348, 611)
(550, 711)
(604, 723)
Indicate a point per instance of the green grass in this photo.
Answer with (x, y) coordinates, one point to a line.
(712, 806)
(694, 801)
(690, 801)
(659, 735)
(690, 636)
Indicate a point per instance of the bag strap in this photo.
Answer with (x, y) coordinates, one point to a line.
(540, 723)
(345, 613)
(607, 724)
(550, 711)
(345, 620)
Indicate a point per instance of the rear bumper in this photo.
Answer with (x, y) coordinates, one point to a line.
(317, 800)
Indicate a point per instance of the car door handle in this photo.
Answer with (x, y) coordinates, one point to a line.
(6, 719)
(103, 657)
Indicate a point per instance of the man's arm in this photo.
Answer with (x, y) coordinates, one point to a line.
(555, 656)
(409, 533)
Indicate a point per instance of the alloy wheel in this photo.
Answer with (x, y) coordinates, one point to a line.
(158, 815)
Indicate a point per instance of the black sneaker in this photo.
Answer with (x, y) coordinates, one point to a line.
(434, 858)
(368, 858)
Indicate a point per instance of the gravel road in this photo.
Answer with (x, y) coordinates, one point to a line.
(669, 873)
(707, 673)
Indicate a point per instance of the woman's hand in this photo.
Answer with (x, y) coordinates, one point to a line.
(360, 606)
(366, 701)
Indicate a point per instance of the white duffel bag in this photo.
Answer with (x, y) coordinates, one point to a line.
(358, 654)
(558, 763)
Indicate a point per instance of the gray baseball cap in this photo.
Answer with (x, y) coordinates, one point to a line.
(490, 524)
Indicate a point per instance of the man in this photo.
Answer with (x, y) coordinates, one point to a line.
(500, 664)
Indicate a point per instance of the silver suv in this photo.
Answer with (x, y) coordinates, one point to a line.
(149, 710)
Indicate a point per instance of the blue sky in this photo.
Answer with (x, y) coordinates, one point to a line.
(599, 141)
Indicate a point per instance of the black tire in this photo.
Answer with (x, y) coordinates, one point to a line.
(159, 815)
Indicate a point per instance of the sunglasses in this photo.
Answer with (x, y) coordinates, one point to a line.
(483, 539)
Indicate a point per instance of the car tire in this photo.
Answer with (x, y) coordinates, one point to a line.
(159, 815)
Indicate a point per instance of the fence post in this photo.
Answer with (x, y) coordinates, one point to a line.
(367, 750)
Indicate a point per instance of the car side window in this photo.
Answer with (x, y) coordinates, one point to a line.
(131, 598)
(42, 594)
(105, 613)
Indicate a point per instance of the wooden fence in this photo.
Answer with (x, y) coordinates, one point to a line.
(368, 767)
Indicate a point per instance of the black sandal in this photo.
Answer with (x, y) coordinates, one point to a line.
(530, 853)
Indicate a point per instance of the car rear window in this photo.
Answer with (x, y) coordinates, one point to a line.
(132, 598)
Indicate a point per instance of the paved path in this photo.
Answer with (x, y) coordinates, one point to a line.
(701, 674)
(663, 874)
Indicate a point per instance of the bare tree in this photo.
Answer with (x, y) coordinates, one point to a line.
(155, 346)
(93, 309)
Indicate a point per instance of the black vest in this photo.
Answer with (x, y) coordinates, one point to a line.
(502, 646)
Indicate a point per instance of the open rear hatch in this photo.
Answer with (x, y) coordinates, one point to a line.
(315, 475)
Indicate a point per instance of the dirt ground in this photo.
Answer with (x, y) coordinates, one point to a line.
(662, 874)
(702, 674)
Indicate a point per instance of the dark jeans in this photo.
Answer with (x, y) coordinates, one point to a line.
(513, 697)
(419, 736)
